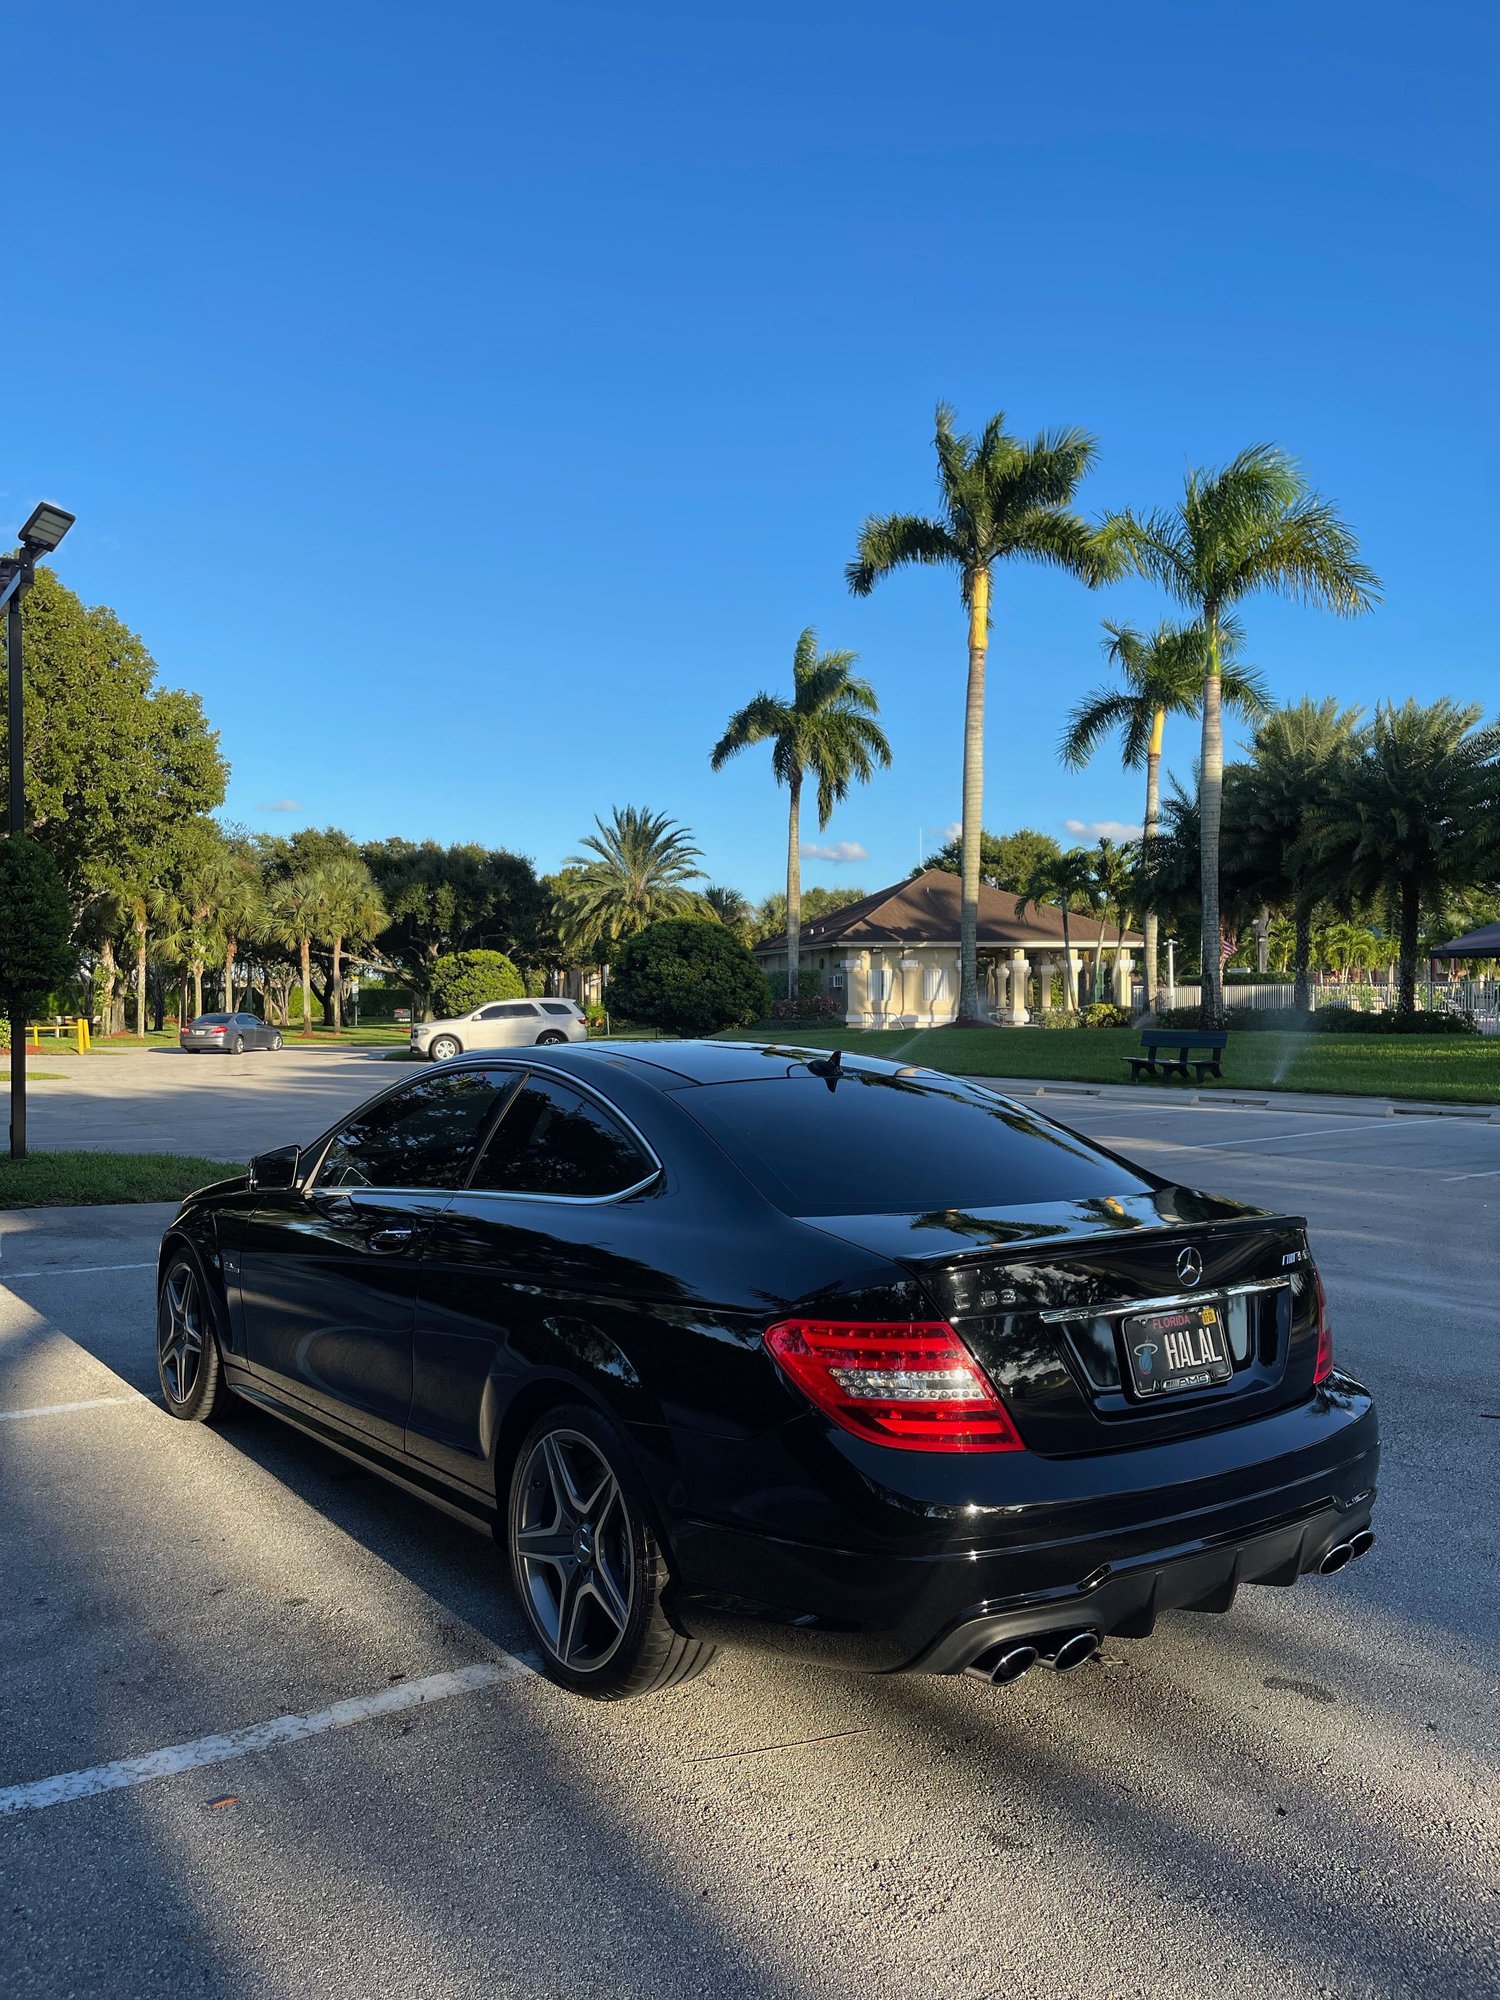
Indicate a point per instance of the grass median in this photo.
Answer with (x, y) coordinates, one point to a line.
(1459, 1068)
(82, 1180)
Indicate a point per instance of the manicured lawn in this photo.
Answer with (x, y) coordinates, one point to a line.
(1463, 1068)
(380, 1034)
(65, 1180)
(36, 1075)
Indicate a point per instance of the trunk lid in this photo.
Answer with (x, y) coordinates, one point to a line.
(1042, 1295)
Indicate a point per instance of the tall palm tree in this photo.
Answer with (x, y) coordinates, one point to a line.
(1296, 753)
(826, 732)
(1164, 675)
(1066, 879)
(734, 911)
(1000, 498)
(1251, 525)
(1115, 890)
(351, 909)
(239, 908)
(296, 918)
(631, 872)
(1406, 817)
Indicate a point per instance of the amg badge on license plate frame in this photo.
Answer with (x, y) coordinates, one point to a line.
(1180, 1347)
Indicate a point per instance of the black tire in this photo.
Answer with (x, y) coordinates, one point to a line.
(189, 1364)
(595, 1565)
(444, 1046)
(237, 1046)
(548, 1037)
(275, 1042)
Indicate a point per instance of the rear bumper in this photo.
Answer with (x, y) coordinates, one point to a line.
(1112, 1562)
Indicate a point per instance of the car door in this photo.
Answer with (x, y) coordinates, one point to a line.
(504, 1024)
(328, 1269)
(526, 1260)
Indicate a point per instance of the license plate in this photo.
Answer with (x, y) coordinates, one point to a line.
(1181, 1347)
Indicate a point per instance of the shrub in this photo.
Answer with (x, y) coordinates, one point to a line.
(596, 1014)
(1059, 1017)
(813, 1008)
(464, 980)
(35, 926)
(688, 977)
(1105, 1014)
(1336, 1020)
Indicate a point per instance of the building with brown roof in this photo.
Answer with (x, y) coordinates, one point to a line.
(892, 959)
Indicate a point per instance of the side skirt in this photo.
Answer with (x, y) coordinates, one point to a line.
(400, 1472)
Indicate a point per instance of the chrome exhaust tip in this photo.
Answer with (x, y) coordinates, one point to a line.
(1001, 1665)
(1065, 1652)
(1337, 1557)
(1362, 1543)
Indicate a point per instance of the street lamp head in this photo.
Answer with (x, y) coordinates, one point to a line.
(45, 527)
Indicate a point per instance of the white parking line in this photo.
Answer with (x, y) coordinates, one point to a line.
(1323, 1132)
(1488, 1174)
(63, 1409)
(71, 1271)
(271, 1735)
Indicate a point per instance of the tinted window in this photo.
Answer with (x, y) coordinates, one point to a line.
(556, 1007)
(882, 1145)
(421, 1138)
(508, 1010)
(212, 1021)
(554, 1140)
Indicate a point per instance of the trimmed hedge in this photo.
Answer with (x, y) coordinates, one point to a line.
(687, 976)
(1337, 1020)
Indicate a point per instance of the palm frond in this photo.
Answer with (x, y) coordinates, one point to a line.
(889, 541)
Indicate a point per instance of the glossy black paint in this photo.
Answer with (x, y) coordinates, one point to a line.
(428, 1354)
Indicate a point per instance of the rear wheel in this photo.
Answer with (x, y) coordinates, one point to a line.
(237, 1046)
(587, 1569)
(188, 1362)
(548, 1036)
(444, 1046)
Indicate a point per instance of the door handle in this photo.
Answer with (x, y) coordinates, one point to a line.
(391, 1239)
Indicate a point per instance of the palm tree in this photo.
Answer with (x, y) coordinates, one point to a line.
(1406, 816)
(1066, 879)
(1115, 889)
(240, 908)
(1296, 753)
(1001, 498)
(351, 908)
(1251, 525)
(296, 918)
(734, 911)
(827, 732)
(633, 871)
(1164, 675)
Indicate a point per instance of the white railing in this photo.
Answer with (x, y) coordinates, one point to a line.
(1479, 997)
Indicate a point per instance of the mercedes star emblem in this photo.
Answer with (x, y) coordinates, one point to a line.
(1189, 1265)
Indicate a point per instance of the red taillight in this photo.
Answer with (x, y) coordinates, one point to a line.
(1323, 1366)
(909, 1383)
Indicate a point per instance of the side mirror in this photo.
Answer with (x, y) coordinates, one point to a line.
(277, 1169)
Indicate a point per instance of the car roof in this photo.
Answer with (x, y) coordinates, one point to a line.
(676, 1065)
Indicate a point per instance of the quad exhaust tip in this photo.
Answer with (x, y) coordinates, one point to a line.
(1003, 1664)
(1064, 1652)
(1344, 1553)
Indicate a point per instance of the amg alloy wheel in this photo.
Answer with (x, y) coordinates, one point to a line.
(587, 1569)
(187, 1345)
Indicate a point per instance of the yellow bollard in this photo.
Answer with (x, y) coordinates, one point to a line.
(81, 1031)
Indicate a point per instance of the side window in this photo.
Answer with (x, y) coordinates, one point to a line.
(508, 1010)
(556, 1007)
(423, 1137)
(553, 1140)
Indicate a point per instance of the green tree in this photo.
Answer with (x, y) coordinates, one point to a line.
(1296, 755)
(442, 900)
(770, 915)
(296, 916)
(1253, 525)
(1006, 860)
(734, 911)
(687, 976)
(1407, 818)
(633, 872)
(465, 980)
(1163, 675)
(36, 924)
(826, 732)
(352, 913)
(1001, 499)
(1067, 880)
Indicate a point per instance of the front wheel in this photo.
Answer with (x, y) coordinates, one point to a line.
(188, 1362)
(275, 1042)
(444, 1046)
(587, 1569)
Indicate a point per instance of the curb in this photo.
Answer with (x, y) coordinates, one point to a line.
(1288, 1103)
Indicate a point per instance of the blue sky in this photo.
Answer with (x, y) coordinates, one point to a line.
(474, 402)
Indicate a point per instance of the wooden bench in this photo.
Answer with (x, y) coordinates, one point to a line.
(1184, 1040)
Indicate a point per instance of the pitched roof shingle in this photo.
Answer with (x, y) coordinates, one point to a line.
(925, 910)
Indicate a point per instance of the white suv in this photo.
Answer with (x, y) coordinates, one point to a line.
(502, 1024)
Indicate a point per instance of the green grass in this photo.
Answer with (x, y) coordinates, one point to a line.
(1462, 1068)
(36, 1075)
(66, 1180)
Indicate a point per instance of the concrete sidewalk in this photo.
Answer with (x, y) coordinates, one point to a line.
(1318, 1104)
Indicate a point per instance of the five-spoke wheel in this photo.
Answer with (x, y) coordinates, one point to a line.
(586, 1566)
(187, 1345)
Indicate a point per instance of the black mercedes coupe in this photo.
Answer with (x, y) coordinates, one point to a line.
(733, 1344)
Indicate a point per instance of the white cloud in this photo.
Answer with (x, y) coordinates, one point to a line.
(952, 830)
(1101, 829)
(834, 850)
(279, 806)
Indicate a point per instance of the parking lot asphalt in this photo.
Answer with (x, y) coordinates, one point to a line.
(1296, 1799)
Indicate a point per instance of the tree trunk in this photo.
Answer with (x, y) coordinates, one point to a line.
(1302, 993)
(1150, 924)
(337, 984)
(1070, 982)
(140, 978)
(106, 981)
(229, 955)
(973, 797)
(304, 947)
(197, 969)
(1411, 920)
(794, 887)
(1210, 813)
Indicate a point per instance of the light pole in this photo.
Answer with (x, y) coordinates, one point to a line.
(44, 528)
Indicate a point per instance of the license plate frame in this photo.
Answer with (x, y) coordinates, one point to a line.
(1175, 1350)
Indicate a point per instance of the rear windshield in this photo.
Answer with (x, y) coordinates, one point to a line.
(211, 1021)
(887, 1145)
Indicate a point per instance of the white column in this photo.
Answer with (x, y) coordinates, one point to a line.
(1016, 1013)
(1075, 960)
(1122, 978)
(1044, 975)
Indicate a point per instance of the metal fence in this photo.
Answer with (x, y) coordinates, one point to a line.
(1479, 997)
